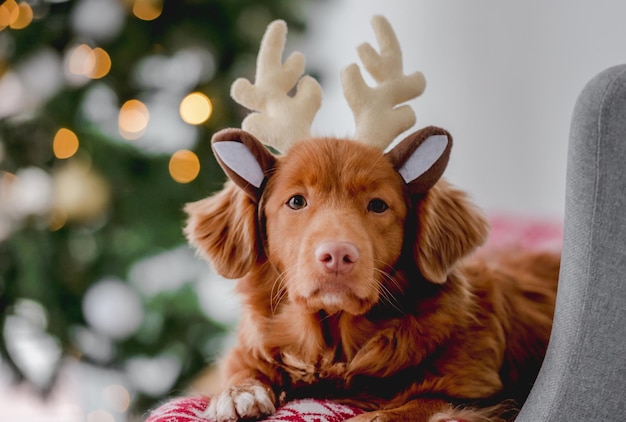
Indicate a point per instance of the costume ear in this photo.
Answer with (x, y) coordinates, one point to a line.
(449, 227)
(422, 157)
(223, 228)
(244, 159)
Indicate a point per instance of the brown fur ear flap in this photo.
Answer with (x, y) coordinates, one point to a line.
(449, 228)
(223, 228)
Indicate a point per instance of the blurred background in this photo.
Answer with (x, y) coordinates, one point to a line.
(106, 112)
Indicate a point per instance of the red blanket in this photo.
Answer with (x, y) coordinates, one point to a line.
(190, 409)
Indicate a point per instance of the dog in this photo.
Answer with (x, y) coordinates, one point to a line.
(362, 286)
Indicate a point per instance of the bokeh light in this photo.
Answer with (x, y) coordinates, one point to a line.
(14, 15)
(57, 220)
(82, 60)
(116, 397)
(100, 416)
(184, 166)
(92, 63)
(102, 64)
(65, 143)
(80, 192)
(133, 119)
(196, 108)
(147, 10)
(24, 18)
(9, 13)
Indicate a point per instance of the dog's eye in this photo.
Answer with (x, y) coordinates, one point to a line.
(377, 205)
(296, 202)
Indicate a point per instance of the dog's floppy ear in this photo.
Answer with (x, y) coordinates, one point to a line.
(449, 227)
(422, 157)
(244, 159)
(223, 228)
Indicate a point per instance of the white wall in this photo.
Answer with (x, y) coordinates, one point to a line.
(502, 77)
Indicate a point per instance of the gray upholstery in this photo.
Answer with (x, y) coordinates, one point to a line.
(583, 377)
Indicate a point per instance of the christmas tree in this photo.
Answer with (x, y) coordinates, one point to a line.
(106, 111)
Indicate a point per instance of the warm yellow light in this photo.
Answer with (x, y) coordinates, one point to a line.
(65, 143)
(102, 64)
(9, 13)
(117, 398)
(24, 18)
(93, 63)
(57, 220)
(4, 17)
(196, 108)
(184, 166)
(133, 119)
(147, 10)
(82, 60)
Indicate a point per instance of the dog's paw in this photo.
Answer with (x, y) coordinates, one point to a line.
(245, 401)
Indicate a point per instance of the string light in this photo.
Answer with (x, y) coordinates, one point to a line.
(184, 166)
(14, 15)
(147, 10)
(92, 63)
(24, 18)
(196, 108)
(9, 13)
(102, 64)
(65, 143)
(133, 119)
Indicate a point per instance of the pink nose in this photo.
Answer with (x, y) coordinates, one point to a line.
(337, 257)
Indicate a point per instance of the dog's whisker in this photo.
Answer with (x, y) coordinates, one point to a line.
(388, 276)
(278, 291)
(385, 293)
(390, 299)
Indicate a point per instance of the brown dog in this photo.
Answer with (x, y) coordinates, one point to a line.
(356, 286)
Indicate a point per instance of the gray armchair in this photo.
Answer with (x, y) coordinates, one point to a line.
(583, 377)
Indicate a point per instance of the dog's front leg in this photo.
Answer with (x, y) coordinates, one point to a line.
(246, 397)
(386, 353)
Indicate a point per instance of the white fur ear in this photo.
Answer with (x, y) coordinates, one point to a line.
(424, 157)
(238, 158)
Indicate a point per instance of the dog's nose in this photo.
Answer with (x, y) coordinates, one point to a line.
(337, 257)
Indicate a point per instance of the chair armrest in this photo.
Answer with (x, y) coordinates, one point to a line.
(583, 377)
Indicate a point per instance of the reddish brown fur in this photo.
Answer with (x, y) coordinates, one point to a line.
(414, 330)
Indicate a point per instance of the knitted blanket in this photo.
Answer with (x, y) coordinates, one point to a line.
(190, 409)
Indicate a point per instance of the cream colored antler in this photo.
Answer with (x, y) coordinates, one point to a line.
(278, 119)
(377, 117)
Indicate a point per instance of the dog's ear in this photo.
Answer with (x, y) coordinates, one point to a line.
(449, 227)
(244, 158)
(223, 228)
(421, 158)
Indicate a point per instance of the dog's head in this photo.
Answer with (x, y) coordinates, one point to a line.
(334, 217)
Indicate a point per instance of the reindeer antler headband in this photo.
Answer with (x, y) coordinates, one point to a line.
(279, 120)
